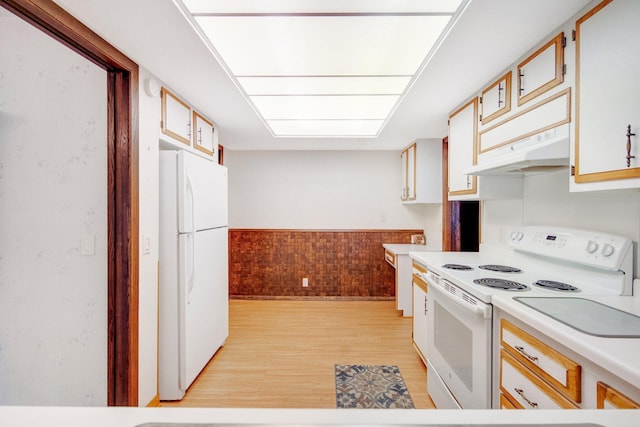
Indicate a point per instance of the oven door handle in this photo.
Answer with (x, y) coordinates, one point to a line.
(483, 310)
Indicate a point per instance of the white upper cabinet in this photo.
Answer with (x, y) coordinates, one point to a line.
(463, 131)
(496, 99)
(203, 134)
(176, 117)
(542, 70)
(607, 132)
(422, 172)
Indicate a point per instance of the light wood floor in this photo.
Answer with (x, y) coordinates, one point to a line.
(281, 354)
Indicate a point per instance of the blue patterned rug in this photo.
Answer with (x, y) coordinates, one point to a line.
(371, 386)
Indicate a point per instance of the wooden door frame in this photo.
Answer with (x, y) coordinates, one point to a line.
(122, 186)
(450, 209)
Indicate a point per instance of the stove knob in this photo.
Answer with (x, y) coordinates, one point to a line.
(512, 235)
(519, 235)
(607, 250)
(591, 247)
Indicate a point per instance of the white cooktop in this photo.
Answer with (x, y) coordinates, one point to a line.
(587, 316)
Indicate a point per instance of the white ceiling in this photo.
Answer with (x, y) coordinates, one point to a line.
(489, 36)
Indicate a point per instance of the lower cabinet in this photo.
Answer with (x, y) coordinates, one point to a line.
(533, 374)
(610, 398)
(536, 372)
(420, 312)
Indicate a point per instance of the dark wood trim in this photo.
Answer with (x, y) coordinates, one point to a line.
(450, 209)
(356, 230)
(122, 186)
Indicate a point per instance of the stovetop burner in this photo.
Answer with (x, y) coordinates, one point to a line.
(457, 267)
(500, 268)
(508, 285)
(556, 286)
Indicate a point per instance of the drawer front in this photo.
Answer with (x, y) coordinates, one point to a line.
(390, 258)
(520, 385)
(505, 403)
(417, 281)
(610, 398)
(560, 371)
(418, 268)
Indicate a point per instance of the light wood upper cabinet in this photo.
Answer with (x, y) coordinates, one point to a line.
(463, 131)
(422, 172)
(496, 99)
(607, 102)
(176, 117)
(542, 70)
(203, 134)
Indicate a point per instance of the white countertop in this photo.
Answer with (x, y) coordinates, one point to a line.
(619, 356)
(404, 249)
(23, 416)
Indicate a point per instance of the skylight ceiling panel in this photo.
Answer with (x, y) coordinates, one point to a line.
(320, 6)
(325, 107)
(328, 45)
(385, 85)
(327, 128)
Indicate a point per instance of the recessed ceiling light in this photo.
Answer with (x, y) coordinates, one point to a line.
(323, 68)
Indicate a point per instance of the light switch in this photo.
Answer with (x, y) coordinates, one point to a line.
(88, 245)
(146, 244)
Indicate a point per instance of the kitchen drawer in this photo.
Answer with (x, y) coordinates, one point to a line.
(505, 403)
(418, 268)
(610, 398)
(521, 386)
(390, 258)
(557, 369)
(418, 281)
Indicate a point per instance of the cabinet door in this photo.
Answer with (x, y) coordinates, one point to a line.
(463, 131)
(403, 160)
(176, 117)
(411, 172)
(203, 135)
(496, 99)
(610, 398)
(542, 70)
(607, 88)
(420, 316)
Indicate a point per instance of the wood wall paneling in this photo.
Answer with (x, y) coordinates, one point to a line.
(271, 263)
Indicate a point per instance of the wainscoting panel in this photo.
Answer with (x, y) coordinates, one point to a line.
(271, 263)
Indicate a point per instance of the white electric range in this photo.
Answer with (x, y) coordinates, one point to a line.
(540, 261)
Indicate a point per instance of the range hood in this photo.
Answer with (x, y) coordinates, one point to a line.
(543, 152)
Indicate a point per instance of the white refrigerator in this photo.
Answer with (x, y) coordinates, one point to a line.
(194, 293)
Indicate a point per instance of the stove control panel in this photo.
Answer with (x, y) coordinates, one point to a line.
(600, 250)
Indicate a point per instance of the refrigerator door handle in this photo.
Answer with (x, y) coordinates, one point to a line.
(189, 210)
(192, 276)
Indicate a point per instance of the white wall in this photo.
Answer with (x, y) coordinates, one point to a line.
(149, 119)
(547, 201)
(53, 180)
(323, 190)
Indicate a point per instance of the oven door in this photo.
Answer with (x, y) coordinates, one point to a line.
(459, 348)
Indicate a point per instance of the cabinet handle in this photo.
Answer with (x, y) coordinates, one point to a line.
(189, 129)
(629, 156)
(525, 354)
(425, 306)
(200, 136)
(500, 90)
(521, 393)
(468, 181)
(520, 76)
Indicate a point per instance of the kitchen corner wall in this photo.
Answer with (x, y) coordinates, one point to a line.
(334, 192)
(149, 134)
(547, 201)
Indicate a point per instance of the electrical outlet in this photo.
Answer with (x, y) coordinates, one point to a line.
(305, 282)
